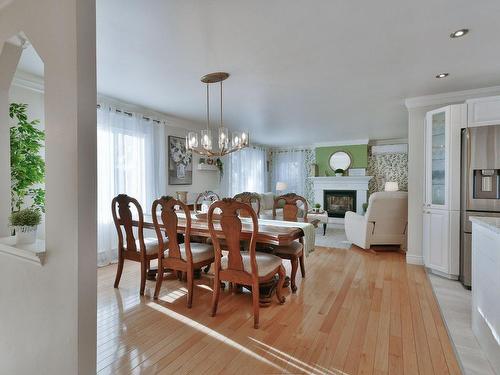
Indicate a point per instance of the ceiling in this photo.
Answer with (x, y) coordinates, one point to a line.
(301, 71)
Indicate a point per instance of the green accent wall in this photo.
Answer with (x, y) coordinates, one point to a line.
(359, 155)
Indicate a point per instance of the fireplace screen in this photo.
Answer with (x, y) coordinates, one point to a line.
(338, 202)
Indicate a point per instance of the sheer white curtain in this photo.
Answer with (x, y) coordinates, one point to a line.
(245, 170)
(290, 166)
(130, 160)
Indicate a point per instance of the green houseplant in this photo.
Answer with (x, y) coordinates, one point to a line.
(27, 167)
(339, 172)
(317, 206)
(25, 223)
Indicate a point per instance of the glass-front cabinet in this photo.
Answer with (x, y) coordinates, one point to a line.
(437, 158)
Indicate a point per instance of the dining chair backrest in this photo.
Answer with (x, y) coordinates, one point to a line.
(207, 195)
(252, 199)
(168, 223)
(291, 208)
(230, 230)
(123, 219)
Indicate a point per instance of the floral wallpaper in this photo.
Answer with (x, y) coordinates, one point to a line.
(387, 167)
(310, 159)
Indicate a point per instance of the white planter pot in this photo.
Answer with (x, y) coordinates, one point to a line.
(339, 174)
(25, 235)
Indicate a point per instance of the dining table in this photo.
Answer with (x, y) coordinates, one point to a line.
(273, 231)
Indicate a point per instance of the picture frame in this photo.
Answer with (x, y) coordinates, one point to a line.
(180, 162)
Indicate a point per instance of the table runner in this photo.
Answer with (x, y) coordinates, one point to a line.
(307, 228)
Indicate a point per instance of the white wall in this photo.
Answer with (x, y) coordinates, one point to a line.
(48, 313)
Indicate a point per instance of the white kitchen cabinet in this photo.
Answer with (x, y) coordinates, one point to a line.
(441, 209)
(483, 111)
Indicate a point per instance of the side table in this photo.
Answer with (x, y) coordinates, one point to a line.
(322, 216)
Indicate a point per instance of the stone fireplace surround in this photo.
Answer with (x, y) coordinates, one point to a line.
(357, 183)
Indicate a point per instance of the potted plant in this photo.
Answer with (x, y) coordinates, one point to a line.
(339, 172)
(25, 222)
(317, 206)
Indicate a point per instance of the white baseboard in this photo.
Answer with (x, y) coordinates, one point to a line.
(415, 259)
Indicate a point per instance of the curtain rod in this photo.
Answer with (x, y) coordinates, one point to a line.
(130, 114)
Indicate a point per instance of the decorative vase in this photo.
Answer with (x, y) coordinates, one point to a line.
(181, 170)
(25, 235)
(339, 174)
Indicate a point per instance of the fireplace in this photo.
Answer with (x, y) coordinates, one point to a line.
(338, 202)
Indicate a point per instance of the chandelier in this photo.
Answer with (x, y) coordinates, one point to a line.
(202, 143)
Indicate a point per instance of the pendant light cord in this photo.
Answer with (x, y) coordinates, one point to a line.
(221, 104)
(208, 108)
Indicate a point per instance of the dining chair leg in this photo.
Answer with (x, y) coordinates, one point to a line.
(159, 279)
(256, 306)
(119, 270)
(281, 281)
(143, 276)
(190, 276)
(215, 294)
(302, 267)
(295, 266)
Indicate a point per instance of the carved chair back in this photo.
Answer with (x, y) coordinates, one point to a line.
(166, 220)
(290, 209)
(207, 195)
(252, 199)
(122, 217)
(230, 230)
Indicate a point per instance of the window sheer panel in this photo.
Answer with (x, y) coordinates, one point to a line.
(290, 167)
(131, 161)
(245, 170)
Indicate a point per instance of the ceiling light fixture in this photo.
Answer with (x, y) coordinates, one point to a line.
(459, 33)
(203, 145)
(442, 75)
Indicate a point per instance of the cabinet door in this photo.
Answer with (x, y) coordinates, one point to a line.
(436, 226)
(483, 111)
(437, 158)
(426, 244)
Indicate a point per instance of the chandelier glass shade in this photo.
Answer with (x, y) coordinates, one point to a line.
(227, 143)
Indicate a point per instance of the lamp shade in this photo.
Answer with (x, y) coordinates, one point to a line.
(280, 186)
(391, 186)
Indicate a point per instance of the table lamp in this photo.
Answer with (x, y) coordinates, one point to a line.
(391, 186)
(280, 186)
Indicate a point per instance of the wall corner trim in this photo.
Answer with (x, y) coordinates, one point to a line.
(415, 259)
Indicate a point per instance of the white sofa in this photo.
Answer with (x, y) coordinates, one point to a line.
(384, 223)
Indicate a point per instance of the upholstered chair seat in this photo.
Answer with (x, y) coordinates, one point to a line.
(199, 251)
(266, 263)
(150, 243)
(295, 248)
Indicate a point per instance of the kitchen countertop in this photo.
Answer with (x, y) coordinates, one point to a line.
(491, 223)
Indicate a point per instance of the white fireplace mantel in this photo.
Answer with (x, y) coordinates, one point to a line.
(357, 183)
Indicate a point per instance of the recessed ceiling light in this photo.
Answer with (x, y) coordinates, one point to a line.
(442, 75)
(459, 33)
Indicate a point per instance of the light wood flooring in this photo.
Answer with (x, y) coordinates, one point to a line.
(355, 312)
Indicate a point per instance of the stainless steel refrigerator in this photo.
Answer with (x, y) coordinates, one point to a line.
(480, 186)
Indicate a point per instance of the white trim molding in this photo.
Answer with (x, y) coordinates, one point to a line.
(450, 97)
(415, 259)
(342, 143)
(29, 81)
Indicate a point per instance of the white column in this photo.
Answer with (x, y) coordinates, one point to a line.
(9, 58)
(48, 313)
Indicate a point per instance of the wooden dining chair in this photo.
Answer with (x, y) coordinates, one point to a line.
(252, 199)
(185, 257)
(244, 268)
(295, 251)
(138, 249)
(206, 195)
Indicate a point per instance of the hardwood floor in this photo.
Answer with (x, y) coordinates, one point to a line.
(355, 313)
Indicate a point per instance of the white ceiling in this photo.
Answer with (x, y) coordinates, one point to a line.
(301, 71)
